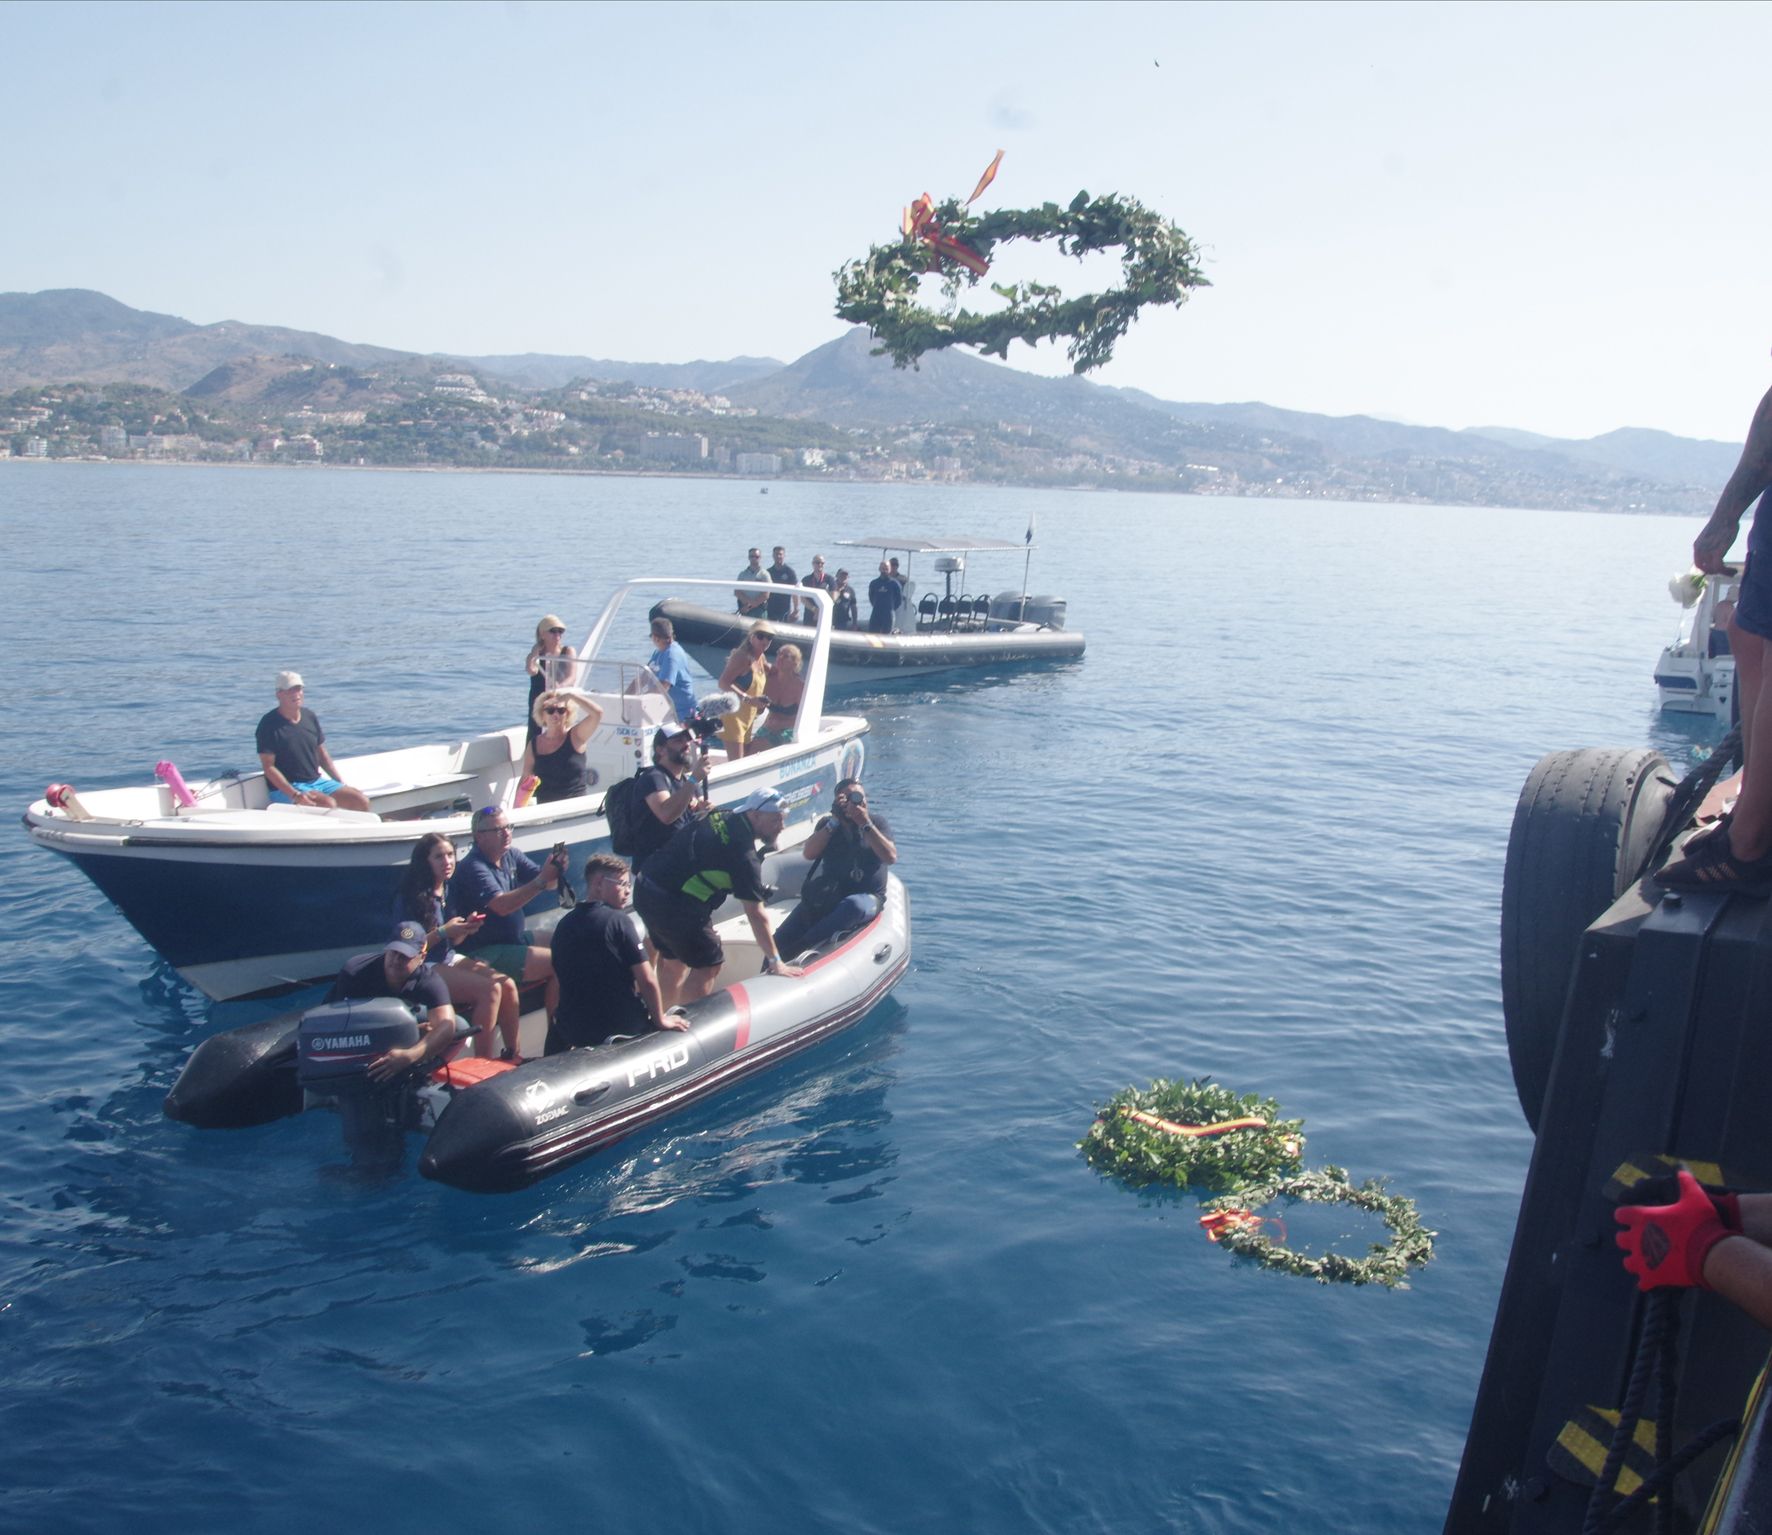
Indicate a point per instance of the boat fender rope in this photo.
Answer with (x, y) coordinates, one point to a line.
(1657, 1359)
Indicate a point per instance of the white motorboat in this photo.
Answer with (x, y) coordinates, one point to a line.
(242, 896)
(958, 630)
(1696, 673)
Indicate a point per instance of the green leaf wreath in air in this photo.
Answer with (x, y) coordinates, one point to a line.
(1159, 265)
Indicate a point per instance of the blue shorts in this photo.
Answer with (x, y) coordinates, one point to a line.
(312, 786)
(1753, 604)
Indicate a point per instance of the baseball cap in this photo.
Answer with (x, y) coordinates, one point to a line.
(763, 799)
(669, 733)
(408, 939)
(288, 680)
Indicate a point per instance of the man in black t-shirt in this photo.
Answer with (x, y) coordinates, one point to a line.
(292, 751)
(784, 607)
(667, 791)
(400, 971)
(688, 877)
(850, 849)
(607, 987)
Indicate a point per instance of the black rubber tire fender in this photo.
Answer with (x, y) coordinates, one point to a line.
(1584, 827)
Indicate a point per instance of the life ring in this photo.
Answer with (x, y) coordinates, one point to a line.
(1231, 1221)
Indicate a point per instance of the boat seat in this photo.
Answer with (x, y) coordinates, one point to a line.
(949, 607)
(963, 611)
(926, 611)
(470, 1069)
(981, 612)
(438, 789)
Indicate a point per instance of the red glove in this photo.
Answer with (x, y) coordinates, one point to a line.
(1667, 1244)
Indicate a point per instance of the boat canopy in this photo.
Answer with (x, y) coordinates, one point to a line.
(954, 544)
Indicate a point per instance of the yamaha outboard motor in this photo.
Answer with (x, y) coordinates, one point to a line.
(338, 1040)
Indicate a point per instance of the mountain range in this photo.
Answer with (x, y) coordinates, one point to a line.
(76, 335)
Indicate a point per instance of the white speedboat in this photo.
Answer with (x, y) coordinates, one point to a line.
(242, 896)
(957, 631)
(1696, 673)
(495, 1127)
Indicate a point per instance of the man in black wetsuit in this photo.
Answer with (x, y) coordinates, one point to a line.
(607, 986)
(687, 878)
(884, 596)
(399, 971)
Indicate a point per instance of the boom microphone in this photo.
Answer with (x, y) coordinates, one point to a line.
(716, 706)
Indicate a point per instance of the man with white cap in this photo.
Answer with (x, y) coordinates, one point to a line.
(399, 971)
(684, 881)
(292, 749)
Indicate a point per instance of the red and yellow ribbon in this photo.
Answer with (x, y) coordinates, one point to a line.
(919, 223)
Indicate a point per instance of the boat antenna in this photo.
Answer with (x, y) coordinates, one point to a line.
(1026, 561)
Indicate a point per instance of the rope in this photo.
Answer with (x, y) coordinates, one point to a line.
(1657, 1354)
(1655, 1324)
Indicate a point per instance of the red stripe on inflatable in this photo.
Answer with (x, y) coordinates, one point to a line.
(741, 1034)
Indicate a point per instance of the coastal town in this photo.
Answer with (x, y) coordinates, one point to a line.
(295, 411)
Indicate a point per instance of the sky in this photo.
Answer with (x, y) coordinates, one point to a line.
(1552, 217)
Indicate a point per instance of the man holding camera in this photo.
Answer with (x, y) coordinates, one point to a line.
(668, 791)
(500, 881)
(850, 851)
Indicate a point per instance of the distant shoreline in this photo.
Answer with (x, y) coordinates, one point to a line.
(660, 474)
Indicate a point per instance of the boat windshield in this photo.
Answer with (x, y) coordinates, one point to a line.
(622, 633)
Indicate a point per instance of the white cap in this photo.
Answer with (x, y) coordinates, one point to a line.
(288, 680)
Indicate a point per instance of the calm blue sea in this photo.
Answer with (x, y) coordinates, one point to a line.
(1258, 833)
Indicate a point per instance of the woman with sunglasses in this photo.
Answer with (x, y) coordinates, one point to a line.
(747, 676)
(475, 988)
(543, 663)
(555, 754)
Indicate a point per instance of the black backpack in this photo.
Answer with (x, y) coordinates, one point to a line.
(623, 807)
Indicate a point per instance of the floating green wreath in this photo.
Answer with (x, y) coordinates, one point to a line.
(1202, 1135)
(1387, 1263)
(1154, 1135)
(1159, 265)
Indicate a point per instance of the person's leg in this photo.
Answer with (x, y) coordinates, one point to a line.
(699, 982)
(474, 992)
(790, 936)
(1750, 828)
(509, 1018)
(540, 967)
(671, 973)
(349, 798)
(850, 912)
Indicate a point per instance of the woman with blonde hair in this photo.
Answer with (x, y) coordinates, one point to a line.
(555, 754)
(787, 685)
(747, 676)
(543, 663)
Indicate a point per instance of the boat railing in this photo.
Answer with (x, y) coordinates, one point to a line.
(817, 664)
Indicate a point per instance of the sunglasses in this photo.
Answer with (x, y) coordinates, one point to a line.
(554, 709)
(556, 631)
